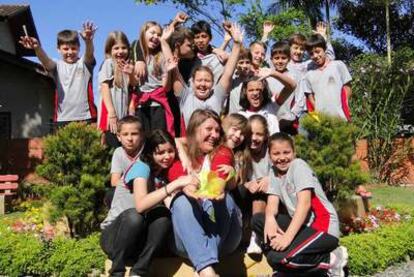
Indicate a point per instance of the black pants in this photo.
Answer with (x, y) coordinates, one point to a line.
(135, 237)
(309, 252)
(287, 126)
(152, 118)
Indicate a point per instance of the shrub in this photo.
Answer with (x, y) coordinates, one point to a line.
(25, 254)
(77, 165)
(328, 148)
(379, 92)
(373, 252)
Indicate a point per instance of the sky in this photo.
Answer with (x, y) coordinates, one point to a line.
(50, 17)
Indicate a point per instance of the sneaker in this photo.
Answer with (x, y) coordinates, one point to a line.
(253, 247)
(339, 259)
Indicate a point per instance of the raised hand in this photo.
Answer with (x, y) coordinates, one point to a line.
(88, 30)
(236, 33)
(172, 63)
(181, 17)
(29, 42)
(321, 28)
(268, 27)
(227, 26)
(167, 32)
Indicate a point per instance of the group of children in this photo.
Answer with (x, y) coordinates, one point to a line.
(157, 87)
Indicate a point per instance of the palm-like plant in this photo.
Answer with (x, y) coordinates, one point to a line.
(311, 8)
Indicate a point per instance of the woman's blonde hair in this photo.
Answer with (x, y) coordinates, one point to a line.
(197, 118)
(242, 155)
(112, 39)
(145, 50)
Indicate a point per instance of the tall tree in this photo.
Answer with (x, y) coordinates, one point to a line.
(366, 20)
(214, 11)
(311, 8)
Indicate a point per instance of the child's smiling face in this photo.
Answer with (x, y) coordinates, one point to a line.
(280, 61)
(296, 52)
(69, 52)
(254, 94)
(164, 155)
(318, 55)
(258, 136)
(202, 41)
(119, 51)
(152, 37)
(281, 155)
(234, 137)
(202, 84)
(258, 54)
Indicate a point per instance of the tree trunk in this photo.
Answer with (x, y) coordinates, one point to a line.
(387, 19)
(328, 19)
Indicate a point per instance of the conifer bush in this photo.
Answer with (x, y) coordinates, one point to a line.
(328, 148)
(77, 165)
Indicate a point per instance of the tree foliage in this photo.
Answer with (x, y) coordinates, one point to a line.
(329, 148)
(214, 11)
(365, 19)
(77, 165)
(380, 99)
(287, 22)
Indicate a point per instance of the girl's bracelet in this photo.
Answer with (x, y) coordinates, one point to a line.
(166, 191)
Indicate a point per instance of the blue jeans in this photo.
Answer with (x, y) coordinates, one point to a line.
(205, 229)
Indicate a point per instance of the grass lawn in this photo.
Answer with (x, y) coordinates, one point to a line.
(388, 195)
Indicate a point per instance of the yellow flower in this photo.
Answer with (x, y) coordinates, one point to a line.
(315, 116)
(211, 185)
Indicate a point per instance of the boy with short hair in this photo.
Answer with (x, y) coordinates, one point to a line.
(327, 83)
(131, 136)
(243, 72)
(282, 91)
(72, 75)
(297, 49)
(202, 38)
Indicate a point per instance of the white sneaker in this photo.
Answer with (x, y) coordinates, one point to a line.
(253, 247)
(339, 258)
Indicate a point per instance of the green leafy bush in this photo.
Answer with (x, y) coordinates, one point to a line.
(77, 165)
(328, 148)
(379, 92)
(25, 254)
(373, 252)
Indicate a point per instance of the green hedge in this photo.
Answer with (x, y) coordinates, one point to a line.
(374, 252)
(25, 254)
(22, 254)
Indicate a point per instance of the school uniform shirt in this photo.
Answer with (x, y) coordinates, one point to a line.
(260, 168)
(300, 176)
(326, 85)
(123, 197)
(212, 61)
(286, 110)
(154, 81)
(269, 112)
(121, 161)
(119, 95)
(74, 95)
(304, 66)
(234, 97)
(189, 102)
